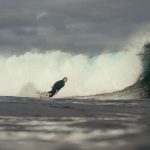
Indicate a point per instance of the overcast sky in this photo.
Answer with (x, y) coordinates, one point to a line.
(78, 26)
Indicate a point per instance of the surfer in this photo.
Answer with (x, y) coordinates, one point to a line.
(57, 86)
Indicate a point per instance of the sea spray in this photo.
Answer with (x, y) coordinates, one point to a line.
(87, 76)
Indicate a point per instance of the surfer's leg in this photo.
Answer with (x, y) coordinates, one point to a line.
(47, 93)
(52, 93)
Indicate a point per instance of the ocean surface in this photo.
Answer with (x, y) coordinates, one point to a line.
(74, 124)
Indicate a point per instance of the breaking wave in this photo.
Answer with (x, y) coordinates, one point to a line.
(106, 73)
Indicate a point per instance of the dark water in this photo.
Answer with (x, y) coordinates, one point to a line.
(71, 124)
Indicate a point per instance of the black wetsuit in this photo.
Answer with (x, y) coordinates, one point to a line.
(56, 87)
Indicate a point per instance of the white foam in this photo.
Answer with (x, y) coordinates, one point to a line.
(87, 76)
(101, 74)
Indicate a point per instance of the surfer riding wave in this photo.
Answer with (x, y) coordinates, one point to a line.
(57, 86)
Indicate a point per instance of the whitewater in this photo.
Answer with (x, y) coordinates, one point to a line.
(28, 73)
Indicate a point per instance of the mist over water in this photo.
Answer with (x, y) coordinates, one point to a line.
(108, 72)
(102, 74)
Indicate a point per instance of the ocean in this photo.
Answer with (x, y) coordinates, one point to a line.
(105, 105)
(74, 124)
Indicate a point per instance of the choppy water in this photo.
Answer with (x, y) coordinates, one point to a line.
(70, 129)
(121, 124)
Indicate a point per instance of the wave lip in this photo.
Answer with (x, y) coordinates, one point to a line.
(141, 88)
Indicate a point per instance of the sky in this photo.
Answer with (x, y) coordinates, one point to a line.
(74, 26)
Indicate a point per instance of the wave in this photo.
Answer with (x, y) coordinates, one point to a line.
(26, 74)
(87, 76)
(141, 88)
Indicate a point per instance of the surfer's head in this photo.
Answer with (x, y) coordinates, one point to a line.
(65, 79)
